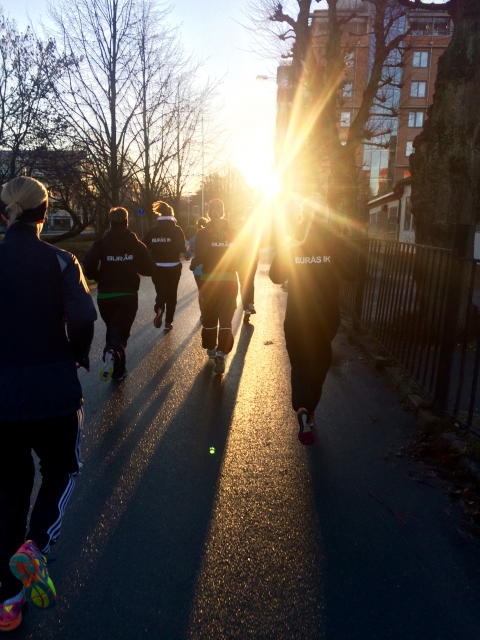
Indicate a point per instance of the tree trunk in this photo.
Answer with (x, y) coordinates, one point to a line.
(446, 164)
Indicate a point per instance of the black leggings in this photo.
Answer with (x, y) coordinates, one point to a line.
(119, 315)
(56, 442)
(246, 275)
(310, 352)
(219, 304)
(166, 281)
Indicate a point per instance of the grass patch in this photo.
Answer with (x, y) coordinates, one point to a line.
(78, 245)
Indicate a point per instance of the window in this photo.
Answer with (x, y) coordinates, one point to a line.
(420, 59)
(415, 119)
(418, 89)
(421, 26)
(407, 222)
(345, 118)
(392, 219)
(347, 90)
(409, 149)
(350, 59)
(441, 26)
(322, 26)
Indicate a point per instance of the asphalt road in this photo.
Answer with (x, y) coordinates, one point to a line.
(199, 515)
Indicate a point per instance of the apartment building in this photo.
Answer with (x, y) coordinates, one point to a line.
(427, 35)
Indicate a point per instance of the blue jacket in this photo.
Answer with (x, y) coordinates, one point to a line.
(42, 293)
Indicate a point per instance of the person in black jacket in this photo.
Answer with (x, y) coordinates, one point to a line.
(165, 242)
(214, 251)
(42, 293)
(312, 267)
(115, 262)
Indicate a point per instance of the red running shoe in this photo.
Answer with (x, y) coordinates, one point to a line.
(11, 612)
(306, 422)
(157, 321)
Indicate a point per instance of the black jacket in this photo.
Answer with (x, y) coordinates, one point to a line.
(215, 251)
(165, 241)
(313, 270)
(116, 260)
(42, 292)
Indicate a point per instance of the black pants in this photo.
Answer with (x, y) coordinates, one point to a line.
(166, 281)
(246, 275)
(219, 304)
(198, 282)
(57, 443)
(309, 349)
(119, 315)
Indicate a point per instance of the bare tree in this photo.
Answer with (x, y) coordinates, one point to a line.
(29, 121)
(97, 96)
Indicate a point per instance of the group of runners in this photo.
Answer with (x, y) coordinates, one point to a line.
(47, 326)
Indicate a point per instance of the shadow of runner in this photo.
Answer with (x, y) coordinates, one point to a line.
(163, 532)
(130, 565)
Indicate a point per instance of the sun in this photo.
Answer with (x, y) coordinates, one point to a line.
(270, 184)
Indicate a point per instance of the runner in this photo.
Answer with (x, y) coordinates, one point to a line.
(213, 250)
(312, 316)
(115, 262)
(248, 264)
(165, 242)
(197, 271)
(42, 289)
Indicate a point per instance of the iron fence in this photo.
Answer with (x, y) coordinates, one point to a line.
(410, 297)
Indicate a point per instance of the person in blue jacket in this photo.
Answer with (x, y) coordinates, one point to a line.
(46, 323)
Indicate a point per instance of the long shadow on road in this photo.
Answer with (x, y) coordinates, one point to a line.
(142, 520)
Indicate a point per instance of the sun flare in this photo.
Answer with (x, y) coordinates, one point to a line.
(270, 185)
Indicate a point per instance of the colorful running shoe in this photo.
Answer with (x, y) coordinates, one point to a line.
(305, 433)
(219, 363)
(29, 566)
(157, 321)
(251, 308)
(211, 353)
(106, 371)
(11, 612)
(168, 326)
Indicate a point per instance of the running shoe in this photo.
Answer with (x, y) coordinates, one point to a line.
(211, 353)
(29, 566)
(219, 363)
(168, 326)
(305, 433)
(246, 315)
(251, 308)
(11, 612)
(157, 321)
(106, 371)
(120, 378)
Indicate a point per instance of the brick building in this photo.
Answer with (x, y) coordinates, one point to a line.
(383, 168)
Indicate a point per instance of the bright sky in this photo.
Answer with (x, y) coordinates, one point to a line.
(209, 29)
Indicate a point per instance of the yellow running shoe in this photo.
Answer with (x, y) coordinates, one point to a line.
(29, 566)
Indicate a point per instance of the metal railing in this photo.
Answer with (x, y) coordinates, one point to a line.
(403, 293)
(410, 298)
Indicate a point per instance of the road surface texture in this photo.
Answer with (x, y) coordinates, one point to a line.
(199, 515)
